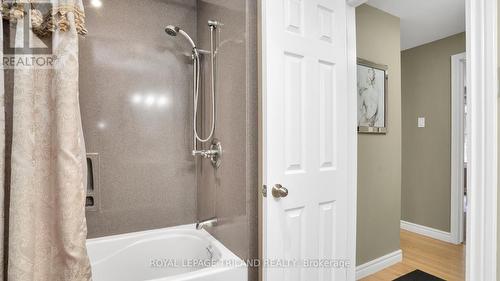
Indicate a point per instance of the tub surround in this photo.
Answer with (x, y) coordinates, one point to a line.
(136, 106)
(230, 192)
(135, 95)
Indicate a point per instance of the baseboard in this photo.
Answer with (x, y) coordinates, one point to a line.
(427, 231)
(378, 264)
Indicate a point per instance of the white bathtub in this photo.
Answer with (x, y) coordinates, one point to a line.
(178, 253)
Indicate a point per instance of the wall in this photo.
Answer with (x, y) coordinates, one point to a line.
(230, 192)
(379, 156)
(147, 174)
(426, 92)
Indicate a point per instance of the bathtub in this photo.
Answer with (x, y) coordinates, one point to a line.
(178, 253)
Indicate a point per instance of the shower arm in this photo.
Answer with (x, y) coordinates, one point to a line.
(203, 52)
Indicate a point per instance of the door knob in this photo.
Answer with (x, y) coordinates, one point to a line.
(279, 191)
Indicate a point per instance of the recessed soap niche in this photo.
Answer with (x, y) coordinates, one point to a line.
(92, 198)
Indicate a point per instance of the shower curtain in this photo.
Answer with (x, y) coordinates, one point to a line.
(42, 154)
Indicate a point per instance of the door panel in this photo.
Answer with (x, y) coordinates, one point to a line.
(305, 137)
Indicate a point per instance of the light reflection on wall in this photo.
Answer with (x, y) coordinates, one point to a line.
(150, 100)
(96, 3)
(101, 125)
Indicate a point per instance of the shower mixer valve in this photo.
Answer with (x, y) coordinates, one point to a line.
(214, 153)
(208, 153)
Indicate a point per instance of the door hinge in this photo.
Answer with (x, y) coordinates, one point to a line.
(264, 190)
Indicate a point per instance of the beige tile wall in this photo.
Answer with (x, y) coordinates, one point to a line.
(147, 175)
(230, 192)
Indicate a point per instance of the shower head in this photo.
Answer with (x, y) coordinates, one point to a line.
(174, 30)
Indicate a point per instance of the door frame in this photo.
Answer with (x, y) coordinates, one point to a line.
(352, 138)
(458, 83)
(482, 83)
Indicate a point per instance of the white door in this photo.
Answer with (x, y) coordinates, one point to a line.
(304, 85)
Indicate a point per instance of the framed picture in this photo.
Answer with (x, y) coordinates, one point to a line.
(372, 97)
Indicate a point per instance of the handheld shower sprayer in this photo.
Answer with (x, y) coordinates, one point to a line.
(215, 152)
(174, 30)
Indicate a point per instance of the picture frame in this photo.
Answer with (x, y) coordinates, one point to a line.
(372, 90)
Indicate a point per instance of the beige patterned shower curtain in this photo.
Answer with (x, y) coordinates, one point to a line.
(42, 154)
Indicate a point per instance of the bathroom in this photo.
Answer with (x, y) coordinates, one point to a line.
(213, 140)
(136, 101)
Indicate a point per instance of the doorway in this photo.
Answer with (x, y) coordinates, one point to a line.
(481, 24)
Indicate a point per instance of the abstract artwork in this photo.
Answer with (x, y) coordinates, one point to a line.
(372, 93)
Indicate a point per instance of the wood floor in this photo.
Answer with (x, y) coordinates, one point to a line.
(438, 258)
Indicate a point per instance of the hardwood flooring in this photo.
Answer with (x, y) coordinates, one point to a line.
(444, 260)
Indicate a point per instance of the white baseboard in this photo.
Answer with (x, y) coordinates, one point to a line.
(378, 264)
(427, 231)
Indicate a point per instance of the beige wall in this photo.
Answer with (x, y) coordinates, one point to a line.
(141, 186)
(379, 156)
(426, 152)
(230, 192)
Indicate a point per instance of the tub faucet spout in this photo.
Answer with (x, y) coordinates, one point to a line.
(206, 223)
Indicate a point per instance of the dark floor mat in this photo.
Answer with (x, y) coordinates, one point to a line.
(418, 275)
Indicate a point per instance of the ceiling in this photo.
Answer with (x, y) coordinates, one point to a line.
(424, 21)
